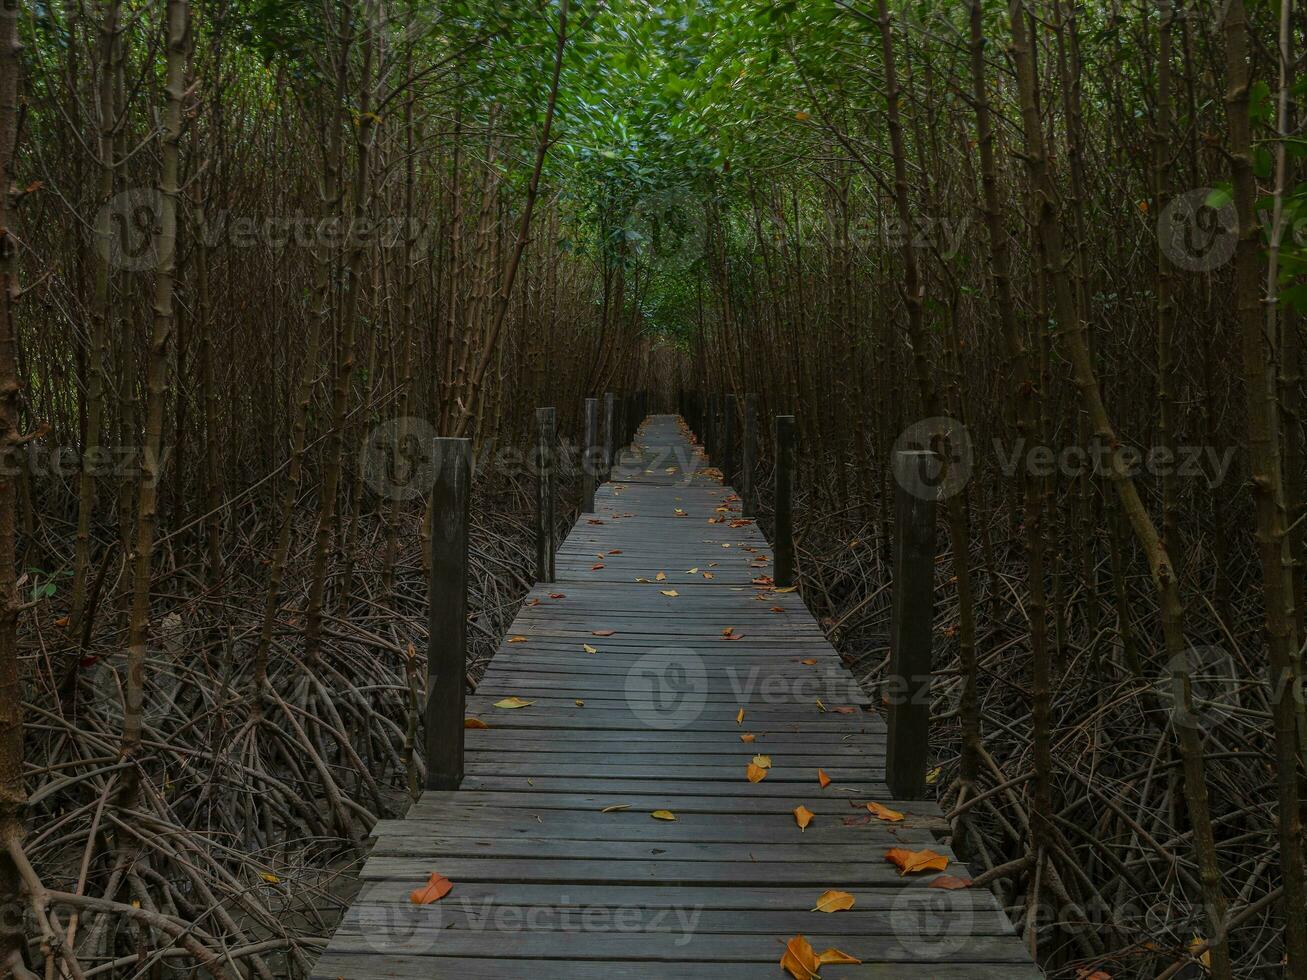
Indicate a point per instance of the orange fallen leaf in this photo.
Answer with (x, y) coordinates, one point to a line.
(517, 639)
(809, 661)
(474, 723)
(558, 595)
(834, 901)
(748, 737)
(845, 710)
(615, 551)
(603, 632)
(803, 816)
(915, 862)
(800, 959)
(778, 609)
(1085, 973)
(950, 882)
(884, 813)
(436, 888)
(836, 956)
(823, 778)
(755, 773)
(596, 566)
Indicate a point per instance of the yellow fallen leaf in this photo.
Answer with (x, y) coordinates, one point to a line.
(679, 512)
(915, 862)
(933, 775)
(803, 816)
(615, 807)
(820, 707)
(513, 702)
(588, 648)
(800, 959)
(579, 703)
(692, 571)
(788, 588)
(762, 761)
(884, 813)
(517, 639)
(660, 577)
(755, 773)
(739, 717)
(1205, 957)
(670, 593)
(270, 878)
(474, 723)
(836, 956)
(833, 901)
(663, 815)
(801, 116)
(823, 778)
(748, 737)
(436, 888)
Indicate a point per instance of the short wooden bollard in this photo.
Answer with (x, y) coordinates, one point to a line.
(447, 613)
(546, 449)
(783, 546)
(907, 746)
(728, 439)
(610, 419)
(590, 453)
(749, 458)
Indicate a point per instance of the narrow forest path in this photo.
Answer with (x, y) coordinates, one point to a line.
(659, 648)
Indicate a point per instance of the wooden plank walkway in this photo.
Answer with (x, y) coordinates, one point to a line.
(547, 885)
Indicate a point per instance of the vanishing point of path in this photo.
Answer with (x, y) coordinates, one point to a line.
(659, 646)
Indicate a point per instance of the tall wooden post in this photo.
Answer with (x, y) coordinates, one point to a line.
(710, 428)
(546, 449)
(783, 546)
(912, 626)
(728, 439)
(447, 613)
(749, 458)
(589, 456)
(610, 420)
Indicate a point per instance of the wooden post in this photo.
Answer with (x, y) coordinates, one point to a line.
(710, 428)
(447, 613)
(728, 440)
(749, 458)
(783, 546)
(912, 626)
(546, 449)
(609, 421)
(589, 451)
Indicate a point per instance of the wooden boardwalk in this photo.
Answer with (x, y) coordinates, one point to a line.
(660, 630)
